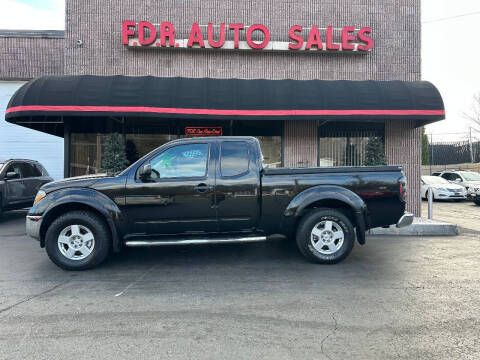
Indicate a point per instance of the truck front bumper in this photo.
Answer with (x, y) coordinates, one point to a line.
(33, 224)
(405, 220)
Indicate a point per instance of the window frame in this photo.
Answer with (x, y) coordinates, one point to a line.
(42, 169)
(220, 159)
(178, 178)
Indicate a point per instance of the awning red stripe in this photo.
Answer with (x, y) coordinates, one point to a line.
(159, 110)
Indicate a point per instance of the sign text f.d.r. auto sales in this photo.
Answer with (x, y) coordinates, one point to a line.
(145, 34)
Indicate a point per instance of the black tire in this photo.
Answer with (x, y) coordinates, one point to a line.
(98, 228)
(477, 202)
(307, 224)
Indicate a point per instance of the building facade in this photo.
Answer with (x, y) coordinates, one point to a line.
(98, 42)
(26, 55)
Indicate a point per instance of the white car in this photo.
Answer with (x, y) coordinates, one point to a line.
(470, 180)
(442, 189)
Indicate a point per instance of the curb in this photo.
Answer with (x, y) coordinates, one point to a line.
(419, 227)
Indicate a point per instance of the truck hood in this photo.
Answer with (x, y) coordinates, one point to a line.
(77, 181)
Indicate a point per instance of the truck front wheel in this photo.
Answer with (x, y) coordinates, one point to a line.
(325, 236)
(78, 240)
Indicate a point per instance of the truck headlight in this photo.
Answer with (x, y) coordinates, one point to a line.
(40, 195)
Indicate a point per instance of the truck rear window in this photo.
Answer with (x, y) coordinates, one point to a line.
(234, 158)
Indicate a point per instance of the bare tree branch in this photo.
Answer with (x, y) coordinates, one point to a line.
(473, 114)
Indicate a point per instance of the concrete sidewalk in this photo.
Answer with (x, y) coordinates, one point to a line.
(465, 214)
(420, 227)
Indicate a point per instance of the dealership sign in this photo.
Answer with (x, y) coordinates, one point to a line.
(204, 131)
(237, 36)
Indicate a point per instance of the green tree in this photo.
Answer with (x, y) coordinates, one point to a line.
(114, 158)
(375, 152)
(425, 148)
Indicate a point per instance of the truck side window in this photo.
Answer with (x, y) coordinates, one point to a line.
(26, 170)
(16, 168)
(29, 170)
(182, 161)
(234, 158)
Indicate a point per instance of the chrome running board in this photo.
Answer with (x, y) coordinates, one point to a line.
(193, 241)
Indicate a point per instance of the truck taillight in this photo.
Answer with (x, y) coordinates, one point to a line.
(403, 191)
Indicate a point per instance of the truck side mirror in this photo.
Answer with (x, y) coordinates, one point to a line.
(145, 171)
(11, 175)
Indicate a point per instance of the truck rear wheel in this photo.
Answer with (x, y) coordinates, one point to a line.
(325, 236)
(78, 240)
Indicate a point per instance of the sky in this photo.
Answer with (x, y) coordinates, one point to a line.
(450, 56)
(32, 14)
(451, 60)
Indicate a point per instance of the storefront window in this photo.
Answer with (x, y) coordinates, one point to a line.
(140, 144)
(86, 153)
(269, 134)
(144, 135)
(346, 144)
(272, 150)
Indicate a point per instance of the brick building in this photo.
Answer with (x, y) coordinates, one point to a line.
(94, 44)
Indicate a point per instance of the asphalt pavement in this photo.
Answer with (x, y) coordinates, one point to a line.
(395, 298)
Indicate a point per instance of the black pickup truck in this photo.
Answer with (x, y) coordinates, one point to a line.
(214, 190)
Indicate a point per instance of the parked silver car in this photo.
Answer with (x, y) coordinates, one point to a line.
(470, 180)
(442, 189)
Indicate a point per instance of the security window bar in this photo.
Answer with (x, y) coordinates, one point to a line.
(343, 146)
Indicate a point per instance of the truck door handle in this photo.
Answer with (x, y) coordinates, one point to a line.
(202, 188)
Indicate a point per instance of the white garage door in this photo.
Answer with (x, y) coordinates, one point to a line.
(19, 142)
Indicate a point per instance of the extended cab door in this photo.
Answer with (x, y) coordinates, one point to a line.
(179, 195)
(238, 186)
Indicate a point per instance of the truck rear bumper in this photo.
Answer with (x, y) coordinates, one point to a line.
(33, 224)
(405, 220)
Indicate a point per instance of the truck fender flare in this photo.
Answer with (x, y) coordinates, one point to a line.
(93, 199)
(303, 200)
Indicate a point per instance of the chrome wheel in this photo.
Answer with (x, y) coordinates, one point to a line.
(76, 242)
(327, 237)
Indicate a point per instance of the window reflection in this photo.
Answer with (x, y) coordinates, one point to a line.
(234, 159)
(181, 161)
